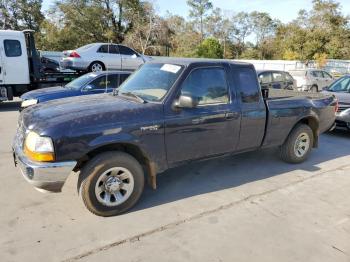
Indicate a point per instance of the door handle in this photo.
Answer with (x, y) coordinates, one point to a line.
(231, 115)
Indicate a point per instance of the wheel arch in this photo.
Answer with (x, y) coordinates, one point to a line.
(313, 123)
(98, 61)
(149, 166)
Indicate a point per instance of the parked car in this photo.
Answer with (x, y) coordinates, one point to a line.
(168, 113)
(311, 80)
(88, 84)
(341, 89)
(102, 56)
(276, 79)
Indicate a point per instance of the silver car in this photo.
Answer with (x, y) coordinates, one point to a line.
(311, 80)
(102, 56)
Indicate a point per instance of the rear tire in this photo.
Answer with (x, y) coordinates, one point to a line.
(111, 183)
(298, 145)
(96, 67)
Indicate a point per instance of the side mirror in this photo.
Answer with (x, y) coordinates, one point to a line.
(186, 102)
(134, 56)
(88, 88)
(325, 88)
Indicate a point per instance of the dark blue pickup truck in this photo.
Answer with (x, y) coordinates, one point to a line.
(167, 113)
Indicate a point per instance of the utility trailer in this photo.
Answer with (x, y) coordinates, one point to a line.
(20, 66)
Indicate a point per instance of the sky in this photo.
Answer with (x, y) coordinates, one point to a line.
(284, 10)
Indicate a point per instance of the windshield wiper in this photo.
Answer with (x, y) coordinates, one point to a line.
(130, 94)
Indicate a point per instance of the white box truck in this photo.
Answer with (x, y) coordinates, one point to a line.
(20, 66)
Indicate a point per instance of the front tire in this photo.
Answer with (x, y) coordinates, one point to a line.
(298, 145)
(111, 183)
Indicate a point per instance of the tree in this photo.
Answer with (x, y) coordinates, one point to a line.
(199, 10)
(210, 48)
(21, 14)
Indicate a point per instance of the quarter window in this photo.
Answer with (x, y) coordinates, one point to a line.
(207, 85)
(12, 48)
(249, 85)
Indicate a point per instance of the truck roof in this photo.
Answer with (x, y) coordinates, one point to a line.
(12, 33)
(188, 61)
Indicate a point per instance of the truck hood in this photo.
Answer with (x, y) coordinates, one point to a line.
(48, 93)
(86, 112)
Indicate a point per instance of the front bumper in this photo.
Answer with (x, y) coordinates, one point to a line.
(44, 176)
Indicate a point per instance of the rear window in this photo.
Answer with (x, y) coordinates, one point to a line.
(297, 73)
(249, 85)
(85, 47)
(12, 48)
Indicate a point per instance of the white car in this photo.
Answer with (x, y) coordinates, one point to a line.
(102, 56)
(311, 80)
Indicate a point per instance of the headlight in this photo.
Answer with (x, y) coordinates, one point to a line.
(39, 148)
(29, 102)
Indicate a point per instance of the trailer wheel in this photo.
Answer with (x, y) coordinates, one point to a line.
(96, 67)
(298, 145)
(111, 183)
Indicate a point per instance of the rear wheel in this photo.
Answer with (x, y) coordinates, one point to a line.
(96, 67)
(298, 145)
(111, 183)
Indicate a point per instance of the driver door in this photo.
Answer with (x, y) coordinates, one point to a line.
(212, 127)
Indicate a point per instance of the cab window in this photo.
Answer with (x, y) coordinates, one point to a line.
(248, 85)
(207, 85)
(12, 48)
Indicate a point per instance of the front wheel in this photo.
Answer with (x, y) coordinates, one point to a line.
(111, 183)
(298, 145)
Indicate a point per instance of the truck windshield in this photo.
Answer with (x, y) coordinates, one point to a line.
(152, 81)
(79, 82)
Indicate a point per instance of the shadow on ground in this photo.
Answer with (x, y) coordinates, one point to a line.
(219, 174)
(10, 106)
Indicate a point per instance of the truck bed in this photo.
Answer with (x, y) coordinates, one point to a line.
(277, 94)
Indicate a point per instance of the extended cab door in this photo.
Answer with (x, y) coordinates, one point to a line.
(253, 109)
(209, 129)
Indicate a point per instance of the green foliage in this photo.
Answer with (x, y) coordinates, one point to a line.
(210, 48)
(21, 14)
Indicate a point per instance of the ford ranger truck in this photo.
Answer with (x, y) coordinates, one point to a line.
(168, 113)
